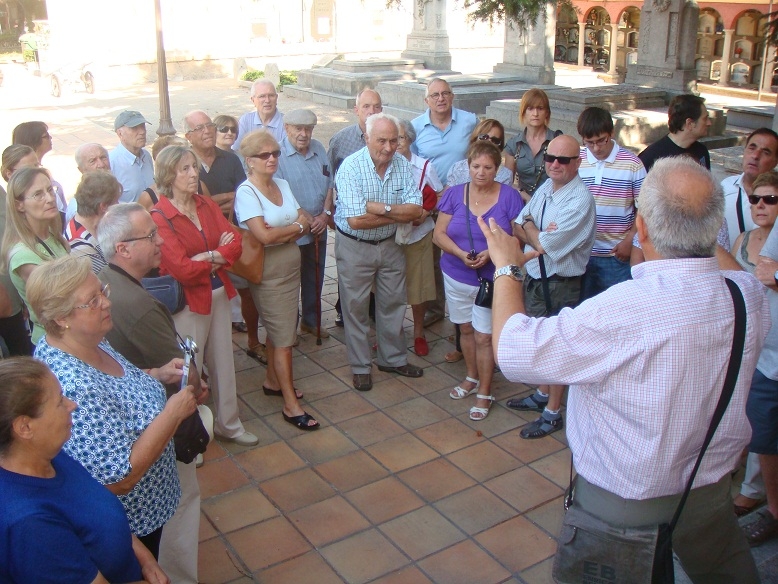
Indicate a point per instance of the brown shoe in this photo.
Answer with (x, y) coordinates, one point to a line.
(406, 370)
(363, 381)
(761, 530)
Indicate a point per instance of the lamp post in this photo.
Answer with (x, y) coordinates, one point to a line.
(165, 122)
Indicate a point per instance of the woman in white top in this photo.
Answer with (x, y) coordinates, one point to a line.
(266, 206)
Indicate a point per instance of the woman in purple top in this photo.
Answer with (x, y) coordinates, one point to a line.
(465, 259)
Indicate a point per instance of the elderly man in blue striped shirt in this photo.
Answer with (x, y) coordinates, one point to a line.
(376, 191)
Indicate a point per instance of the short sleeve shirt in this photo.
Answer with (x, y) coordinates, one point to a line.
(250, 203)
(443, 147)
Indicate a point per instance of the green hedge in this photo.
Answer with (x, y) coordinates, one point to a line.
(287, 77)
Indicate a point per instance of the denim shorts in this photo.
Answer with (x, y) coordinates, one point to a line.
(762, 412)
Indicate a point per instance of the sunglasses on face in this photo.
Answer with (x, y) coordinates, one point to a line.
(266, 155)
(493, 139)
(550, 158)
(227, 130)
(766, 199)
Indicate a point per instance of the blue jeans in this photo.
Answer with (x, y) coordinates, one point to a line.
(602, 273)
(762, 412)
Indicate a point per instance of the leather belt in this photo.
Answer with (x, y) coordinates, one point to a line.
(359, 239)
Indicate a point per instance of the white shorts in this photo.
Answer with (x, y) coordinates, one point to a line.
(461, 308)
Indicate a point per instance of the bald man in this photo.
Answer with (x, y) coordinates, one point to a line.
(559, 222)
(90, 156)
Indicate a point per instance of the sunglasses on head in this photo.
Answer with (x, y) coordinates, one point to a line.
(767, 199)
(493, 139)
(550, 158)
(226, 129)
(266, 155)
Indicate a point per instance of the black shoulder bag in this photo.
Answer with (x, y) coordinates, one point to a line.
(166, 289)
(486, 287)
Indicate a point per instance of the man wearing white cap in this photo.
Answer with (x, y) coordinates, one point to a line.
(131, 164)
(304, 164)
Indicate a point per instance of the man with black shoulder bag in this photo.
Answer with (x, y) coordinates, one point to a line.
(653, 473)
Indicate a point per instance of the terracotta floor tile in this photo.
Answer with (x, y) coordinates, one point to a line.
(549, 516)
(320, 386)
(540, 574)
(475, 509)
(410, 575)
(416, 413)
(484, 461)
(371, 428)
(331, 357)
(215, 562)
(499, 420)
(322, 445)
(351, 471)
(527, 450)
(219, 476)
(363, 557)
(384, 500)
(306, 569)
(328, 521)
(518, 544)
(296, 490)
(389, 392)
(555, 467)
(421, 532)
(448, 436)
(250, 380)
(304, 366)
(238, 509)
(267, 543)
(464, 563)
(435, 479)
(344, 406)
(262, 404)
(207, 530)
(523, 488)
(401, 452)
(214, 451)
(270, 461)
(288, 431)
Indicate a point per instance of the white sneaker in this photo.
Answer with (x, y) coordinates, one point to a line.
(245, 439)
(199, 461)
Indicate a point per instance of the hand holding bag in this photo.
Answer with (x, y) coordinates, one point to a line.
(251, 263)
(483, 297)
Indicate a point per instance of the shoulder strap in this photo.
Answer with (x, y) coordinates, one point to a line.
(173, 229)
(739, 209)
(423, 173)
(256, 194)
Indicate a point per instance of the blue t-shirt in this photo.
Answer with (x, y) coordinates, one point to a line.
(63, 529)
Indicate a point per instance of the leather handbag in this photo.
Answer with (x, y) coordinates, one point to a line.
(483, 297)
(167, 290)
(251, 263)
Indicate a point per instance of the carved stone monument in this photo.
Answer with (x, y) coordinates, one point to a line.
(428, 40)
(668, 35)
(529, 54)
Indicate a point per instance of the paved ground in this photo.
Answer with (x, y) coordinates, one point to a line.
(398, 486)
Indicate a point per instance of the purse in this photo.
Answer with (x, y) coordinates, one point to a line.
(429, 196)
(251, 263)
(166, 289)
(591, 550)
(483, 297)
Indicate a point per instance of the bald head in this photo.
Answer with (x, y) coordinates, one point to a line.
(564, 152)
(92, 156)
(368, 103)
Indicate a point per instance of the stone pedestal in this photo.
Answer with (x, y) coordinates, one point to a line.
(668, 35)
(529, 54)
(428, 40)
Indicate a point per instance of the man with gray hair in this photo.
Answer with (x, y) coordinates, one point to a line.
(91, 156)
(304, 165)
(144, 333)
(376, 191)
(265, 116)
(130, 162)
(646, 375)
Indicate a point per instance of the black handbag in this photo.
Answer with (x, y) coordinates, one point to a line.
(591, 550)
(483, 297)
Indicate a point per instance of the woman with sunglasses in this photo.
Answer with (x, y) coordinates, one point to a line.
(36, 135)
(266, 206)
(198, 245)
(525, 150)
(489, 130)
(465, 262)
(226, 131)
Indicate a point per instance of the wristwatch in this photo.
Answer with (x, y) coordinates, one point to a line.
(509, 270)
(387, 209)
(328, 213)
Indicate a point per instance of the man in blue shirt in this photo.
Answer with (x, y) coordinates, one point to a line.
(131, 164)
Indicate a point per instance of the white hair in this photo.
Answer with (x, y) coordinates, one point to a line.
(259, 82)
(82, 150)
(371, 122)
(116, 226)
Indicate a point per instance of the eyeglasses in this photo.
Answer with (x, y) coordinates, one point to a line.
(493, 139)
(550, 159)
(203, 127)
(97, 301)
(766, 199)
(150, 237)
(437, 96)
(41, 195)
(266, 96)
(266, 155)
(599, 142)
(227, 130)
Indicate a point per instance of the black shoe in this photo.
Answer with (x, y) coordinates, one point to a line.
(541, 428)
(363, 381)
(528, 404)
(338, 319)
(406, 370)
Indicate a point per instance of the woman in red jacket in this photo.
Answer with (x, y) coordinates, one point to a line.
(198, 245)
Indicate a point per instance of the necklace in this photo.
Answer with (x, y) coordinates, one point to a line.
(192, 216)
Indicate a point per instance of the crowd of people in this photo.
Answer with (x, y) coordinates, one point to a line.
(429, 212)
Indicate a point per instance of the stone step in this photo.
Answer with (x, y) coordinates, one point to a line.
(318, 96)
(329, 80)
(373, 65)
(752, 117)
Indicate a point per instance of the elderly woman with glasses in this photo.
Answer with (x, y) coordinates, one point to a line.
(226, 131)
(123, 426)
(199, 244)
(489, 130)
(58, 523)
(33, 231)
(266, 206)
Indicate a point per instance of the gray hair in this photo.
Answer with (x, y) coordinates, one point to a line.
(681, 225)
(116, 226)
(436, 80)
(371, 122)
(82, 150)
(407, 128)
(185, 120)
(259, 82)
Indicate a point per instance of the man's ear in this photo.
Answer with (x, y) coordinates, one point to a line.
(640, 226)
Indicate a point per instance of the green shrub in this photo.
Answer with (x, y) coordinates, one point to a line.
(252, 75)
(288, 78)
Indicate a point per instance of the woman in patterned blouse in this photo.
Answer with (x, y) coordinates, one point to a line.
(123, 426)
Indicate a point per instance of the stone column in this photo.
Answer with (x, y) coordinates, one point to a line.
(529, 55)
(668, 35)
(428, 40)
(614, 49)
(581, 42)
(726, 52)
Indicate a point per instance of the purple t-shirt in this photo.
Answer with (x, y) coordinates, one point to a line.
(504, 212)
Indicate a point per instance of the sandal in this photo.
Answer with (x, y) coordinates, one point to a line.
(477, 414)
(460, 392)
(301, 421)
(752, 505)
(258, 353)
(541, 428)
(279, 393)
(761, 530)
